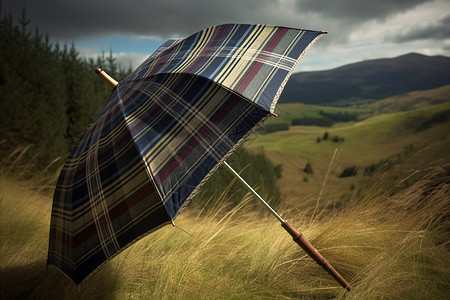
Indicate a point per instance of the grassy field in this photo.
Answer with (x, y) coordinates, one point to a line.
(387, 233)
(386, 138)
(388, 245)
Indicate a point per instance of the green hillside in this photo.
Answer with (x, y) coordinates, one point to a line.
(416, 139)
(411, 100)
(290, 111)
(368, 81)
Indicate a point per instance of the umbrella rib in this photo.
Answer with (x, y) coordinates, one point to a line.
(299, 34)
(97, 201)
(282, 85)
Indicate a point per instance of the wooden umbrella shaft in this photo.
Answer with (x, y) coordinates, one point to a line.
(300, 239)
(297, 236)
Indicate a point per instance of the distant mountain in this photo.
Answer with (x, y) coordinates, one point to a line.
(368, 80)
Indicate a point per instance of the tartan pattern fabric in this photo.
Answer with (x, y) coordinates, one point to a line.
(162, 132)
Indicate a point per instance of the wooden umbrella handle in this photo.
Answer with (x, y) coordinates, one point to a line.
(314, 254)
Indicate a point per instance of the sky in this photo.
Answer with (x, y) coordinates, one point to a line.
(132, 29)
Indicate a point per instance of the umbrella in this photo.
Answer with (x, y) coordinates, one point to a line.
(162, 133)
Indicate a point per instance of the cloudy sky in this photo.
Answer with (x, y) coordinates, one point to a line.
(133, 29)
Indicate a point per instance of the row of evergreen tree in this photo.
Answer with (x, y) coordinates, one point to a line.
(48, 93)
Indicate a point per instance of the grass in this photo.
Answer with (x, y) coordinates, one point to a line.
(388, 242)
(388, 235)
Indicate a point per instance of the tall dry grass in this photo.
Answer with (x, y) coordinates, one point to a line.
(389, 242)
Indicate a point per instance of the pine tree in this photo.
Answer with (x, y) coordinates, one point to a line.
(80, 108)
(111, 66)
(32, 94)
(308, 169)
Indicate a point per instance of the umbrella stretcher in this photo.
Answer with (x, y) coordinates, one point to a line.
(162, 133)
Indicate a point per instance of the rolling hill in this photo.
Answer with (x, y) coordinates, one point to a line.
(368, 81)
(411, 100)
(416, 139)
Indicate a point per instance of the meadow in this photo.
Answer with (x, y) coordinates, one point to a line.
(415, 139)
(386, 232)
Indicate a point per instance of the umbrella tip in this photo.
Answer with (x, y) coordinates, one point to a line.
(106, 78)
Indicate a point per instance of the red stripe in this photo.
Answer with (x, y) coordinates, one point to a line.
(118, 144)
(257, 66)
(178, 158)
(125, 205)
(145, 119)
(210, 45)
(249, 77)
(276, 40)
(91, 230)
(161, 61)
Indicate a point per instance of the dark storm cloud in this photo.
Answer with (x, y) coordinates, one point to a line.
(87, 19)
(343, 17)
(438, 30)
(351, 11)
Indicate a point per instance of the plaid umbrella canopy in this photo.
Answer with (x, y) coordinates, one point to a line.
(161, 134)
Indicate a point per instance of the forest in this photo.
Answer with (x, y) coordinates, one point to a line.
(48, 93)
